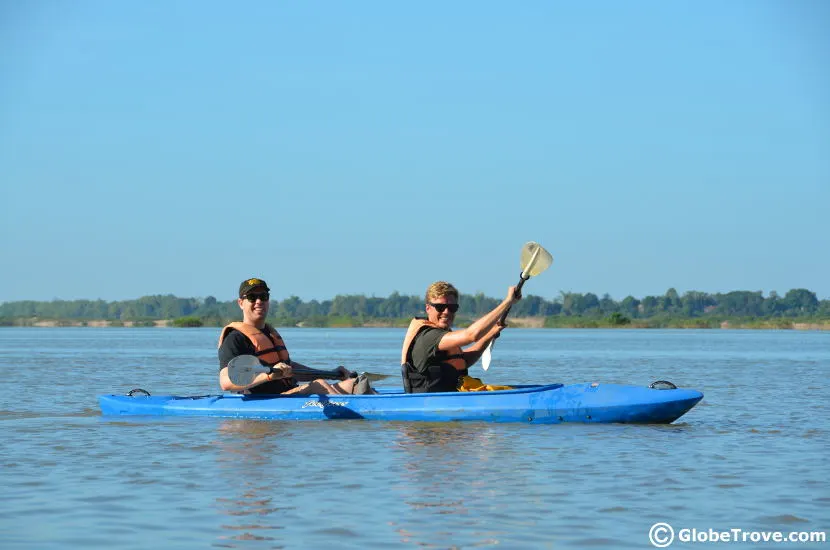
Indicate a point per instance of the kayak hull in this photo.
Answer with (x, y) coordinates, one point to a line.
(549, 404)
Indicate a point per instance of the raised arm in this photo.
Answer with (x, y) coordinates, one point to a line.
(482, 328)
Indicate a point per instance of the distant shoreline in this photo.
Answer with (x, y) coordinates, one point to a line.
(518, 322)
(99, 324)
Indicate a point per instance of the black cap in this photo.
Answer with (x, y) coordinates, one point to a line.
(250, 284)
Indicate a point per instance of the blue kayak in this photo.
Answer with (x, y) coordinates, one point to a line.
(547, 404)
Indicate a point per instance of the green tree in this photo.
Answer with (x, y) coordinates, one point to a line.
(671, 302)
(800, 301)
(607, 304)
(630, 306)
(618, 319)
(649, 306)
(696, 303)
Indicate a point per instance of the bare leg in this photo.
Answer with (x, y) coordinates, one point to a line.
(345, 387)
(321, 387)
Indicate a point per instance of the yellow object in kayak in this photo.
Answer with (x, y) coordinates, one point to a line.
(468, 383)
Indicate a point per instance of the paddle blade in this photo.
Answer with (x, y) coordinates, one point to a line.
(375, 377)
(534, 259)
(243, 369)
(487, 356)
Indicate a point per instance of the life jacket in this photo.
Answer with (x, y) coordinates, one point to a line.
(269, 345)
(441, 374)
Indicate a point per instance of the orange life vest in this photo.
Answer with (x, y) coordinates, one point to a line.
(440, 376)
(269, 345)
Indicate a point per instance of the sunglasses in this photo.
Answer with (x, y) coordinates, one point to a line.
(264, 296)
(441, 307)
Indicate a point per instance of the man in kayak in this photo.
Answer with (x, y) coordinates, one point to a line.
(432, 359)
(253, 336)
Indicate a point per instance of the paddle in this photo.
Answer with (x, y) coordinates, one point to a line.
(534, 260)
(243, 369)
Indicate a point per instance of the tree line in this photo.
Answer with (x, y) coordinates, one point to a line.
(358, 309)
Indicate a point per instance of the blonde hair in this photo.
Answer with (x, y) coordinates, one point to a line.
(439, 289)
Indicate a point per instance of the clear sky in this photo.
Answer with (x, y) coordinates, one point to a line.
(369, 147)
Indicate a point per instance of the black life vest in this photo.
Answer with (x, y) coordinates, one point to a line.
(440, 375)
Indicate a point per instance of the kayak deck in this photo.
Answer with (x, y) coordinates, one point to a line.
(547, 404)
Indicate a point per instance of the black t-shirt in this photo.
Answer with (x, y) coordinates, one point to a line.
(236, 344)
(425, 347)
(424, 354)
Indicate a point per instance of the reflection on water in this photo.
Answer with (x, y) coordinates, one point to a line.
(437, 455)
(246, 449)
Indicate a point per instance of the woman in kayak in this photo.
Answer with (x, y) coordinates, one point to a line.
(432, 359)
(253, 336)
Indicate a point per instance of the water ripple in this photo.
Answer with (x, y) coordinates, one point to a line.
(750, 455)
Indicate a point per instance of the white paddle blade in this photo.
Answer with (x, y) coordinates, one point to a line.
(535, 259)
(487, 356)
(243, 369)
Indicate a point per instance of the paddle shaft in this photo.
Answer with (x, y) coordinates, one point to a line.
(333, 374)
(242, 370)
(330, 374)
(519, 286)
(323, 373)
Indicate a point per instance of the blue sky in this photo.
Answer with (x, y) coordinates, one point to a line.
(371, 147)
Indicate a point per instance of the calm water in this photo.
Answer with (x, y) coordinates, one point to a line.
(752, 455)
